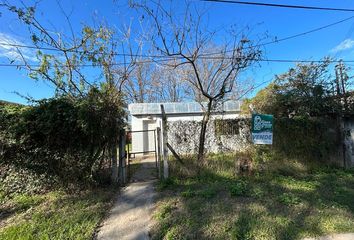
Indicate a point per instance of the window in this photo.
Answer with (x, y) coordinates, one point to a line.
(226, 127)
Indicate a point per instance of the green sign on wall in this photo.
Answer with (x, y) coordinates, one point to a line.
(262, 129)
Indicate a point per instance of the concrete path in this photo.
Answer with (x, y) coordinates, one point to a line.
(342, 236)
(131, 215)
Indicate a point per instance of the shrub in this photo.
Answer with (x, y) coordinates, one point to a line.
(61, 137)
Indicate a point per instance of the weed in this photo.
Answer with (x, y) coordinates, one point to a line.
(243, 226)
(188, 193)
(207, 193)
(257, 192)
(164, 211)
(238, 188)
(24, 201)
(289, 199)
(166, 183)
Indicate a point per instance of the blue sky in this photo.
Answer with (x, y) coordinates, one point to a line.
(336, 41)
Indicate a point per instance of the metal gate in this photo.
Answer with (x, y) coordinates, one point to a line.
(131, 151)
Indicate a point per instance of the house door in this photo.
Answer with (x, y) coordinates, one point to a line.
(149, 135)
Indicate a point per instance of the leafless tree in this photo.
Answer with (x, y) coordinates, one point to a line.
(152, 82)
(213, 67)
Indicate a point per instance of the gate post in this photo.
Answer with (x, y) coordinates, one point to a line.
(114, 170)
(158, 132)
(164, 142)
(122, 156)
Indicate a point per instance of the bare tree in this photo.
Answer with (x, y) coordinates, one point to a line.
(152, 82)
(213, 68)
(170, 84)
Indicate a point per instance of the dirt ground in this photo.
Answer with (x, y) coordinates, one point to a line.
(343, 236)
(131, 215)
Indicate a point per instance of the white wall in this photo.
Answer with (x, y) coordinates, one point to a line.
(145, 141)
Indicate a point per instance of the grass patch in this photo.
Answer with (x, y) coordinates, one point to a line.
(54, 215)
(277, 204)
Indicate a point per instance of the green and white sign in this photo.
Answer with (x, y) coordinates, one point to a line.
(262, 129)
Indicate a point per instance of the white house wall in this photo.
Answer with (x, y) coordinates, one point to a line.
(142, 142)
(147, 116)
(184, 137)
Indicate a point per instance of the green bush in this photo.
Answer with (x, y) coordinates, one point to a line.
(61, 137)
(305, 138)
(14, 180)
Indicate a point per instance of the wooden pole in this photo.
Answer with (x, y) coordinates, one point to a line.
(122, 156)
(158, 132)
(128, 162)
(164, 142)
(114, 176)
(175, 154)
(155, 148)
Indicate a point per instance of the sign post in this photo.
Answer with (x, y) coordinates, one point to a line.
(262, 129)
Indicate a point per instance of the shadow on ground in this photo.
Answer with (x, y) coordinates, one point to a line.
(218, 205)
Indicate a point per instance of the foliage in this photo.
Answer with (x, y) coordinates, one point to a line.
(306, 108)
(61, 58)
(307, 90)
(289, 199)
(61, 137)
(238, 188)
(15, 180)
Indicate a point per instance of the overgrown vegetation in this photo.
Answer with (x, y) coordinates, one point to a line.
(308, 105)
(283, 201)
(58, 155)
(53, 166)
(60, 138)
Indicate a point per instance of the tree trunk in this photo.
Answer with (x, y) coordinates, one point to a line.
(205, 121)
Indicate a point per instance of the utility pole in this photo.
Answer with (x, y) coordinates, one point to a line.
(341, 79)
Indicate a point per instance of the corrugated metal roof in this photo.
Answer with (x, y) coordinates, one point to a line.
(179, 108)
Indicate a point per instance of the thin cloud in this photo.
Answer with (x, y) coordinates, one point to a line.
(345, 45)
(11, 52)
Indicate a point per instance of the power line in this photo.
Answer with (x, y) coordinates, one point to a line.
(75, 51)
(281, 5)
(85, 65)
(307, 32)
(292, 36)
(163, 60)
(168, 57)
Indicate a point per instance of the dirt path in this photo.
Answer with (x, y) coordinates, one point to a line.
(342, 236)
(131, 215)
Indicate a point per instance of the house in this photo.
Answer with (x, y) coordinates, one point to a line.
(183, 121)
